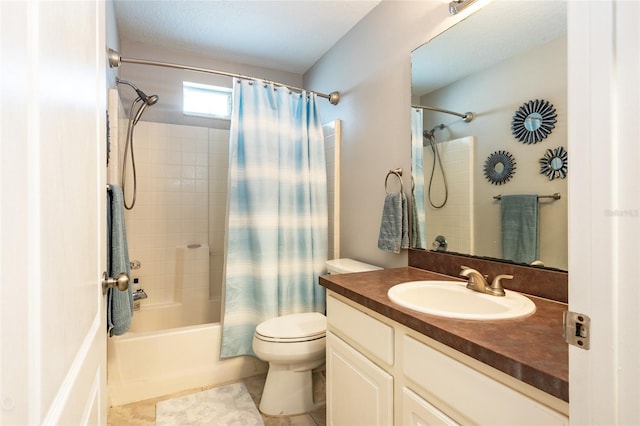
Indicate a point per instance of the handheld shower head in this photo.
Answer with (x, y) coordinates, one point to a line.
(148, 100)
(151, 100)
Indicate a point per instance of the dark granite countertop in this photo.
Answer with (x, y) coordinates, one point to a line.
(530, 349)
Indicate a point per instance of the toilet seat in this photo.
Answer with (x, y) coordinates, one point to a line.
(293, 328)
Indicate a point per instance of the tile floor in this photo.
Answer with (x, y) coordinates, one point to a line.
(143, 413)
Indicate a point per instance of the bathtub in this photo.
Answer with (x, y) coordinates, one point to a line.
(148, 364)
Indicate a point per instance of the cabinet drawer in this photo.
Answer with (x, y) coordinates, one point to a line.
(373, 335)
(472, 394)
(417, 412)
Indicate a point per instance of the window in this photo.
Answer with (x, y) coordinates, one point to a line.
(206, 101)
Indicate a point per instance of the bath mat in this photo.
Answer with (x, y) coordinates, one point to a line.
(229, 405)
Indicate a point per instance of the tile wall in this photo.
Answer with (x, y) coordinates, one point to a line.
(174, 184)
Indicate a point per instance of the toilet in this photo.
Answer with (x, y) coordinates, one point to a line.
(294, 345)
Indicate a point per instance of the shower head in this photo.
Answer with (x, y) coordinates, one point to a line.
(148, 100)
(151, 99)
(428, 134)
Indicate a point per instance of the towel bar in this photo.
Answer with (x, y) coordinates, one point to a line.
(398, 173)
(555, 196)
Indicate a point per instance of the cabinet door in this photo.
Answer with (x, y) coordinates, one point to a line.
(418, 412)
(358, 391)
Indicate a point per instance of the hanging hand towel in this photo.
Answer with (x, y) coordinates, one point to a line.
(394, 234)
(119, 303)
(520, 228)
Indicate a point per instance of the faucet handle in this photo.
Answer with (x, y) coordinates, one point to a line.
(496, 284)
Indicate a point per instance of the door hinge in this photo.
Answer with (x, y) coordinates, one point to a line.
(577, 329)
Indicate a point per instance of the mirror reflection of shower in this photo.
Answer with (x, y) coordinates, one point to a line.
(137, 108)
(429, 135)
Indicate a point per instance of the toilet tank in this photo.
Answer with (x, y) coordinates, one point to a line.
(344, 266)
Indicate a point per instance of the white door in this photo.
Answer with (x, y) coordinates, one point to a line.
(604, 208)
(52, 213)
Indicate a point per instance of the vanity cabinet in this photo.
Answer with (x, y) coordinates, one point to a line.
(379, 372)
(359, 390)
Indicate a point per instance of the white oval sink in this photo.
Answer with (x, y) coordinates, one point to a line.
(453, 299)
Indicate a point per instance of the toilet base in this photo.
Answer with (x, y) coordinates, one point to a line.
(287, 392)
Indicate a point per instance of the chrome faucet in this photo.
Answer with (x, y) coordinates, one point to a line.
(139, 294)
(478, 282)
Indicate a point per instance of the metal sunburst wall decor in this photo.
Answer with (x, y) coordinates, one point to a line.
(533, 121)
(499, 167)
(554, 163)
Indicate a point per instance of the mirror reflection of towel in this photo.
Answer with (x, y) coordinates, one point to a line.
(394, 234)
(520, 228)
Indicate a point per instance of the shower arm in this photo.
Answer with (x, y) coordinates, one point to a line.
(115, 60)
(467, 117)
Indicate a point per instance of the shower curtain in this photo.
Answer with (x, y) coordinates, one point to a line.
(417, 174)
(277, 211)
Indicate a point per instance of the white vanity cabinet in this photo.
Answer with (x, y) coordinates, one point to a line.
(359, 392)
(381, 373)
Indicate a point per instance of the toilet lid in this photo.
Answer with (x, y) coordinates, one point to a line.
(293, 327)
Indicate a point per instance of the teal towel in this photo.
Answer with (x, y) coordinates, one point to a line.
(119, 303)
(520, 228)
(394, 233)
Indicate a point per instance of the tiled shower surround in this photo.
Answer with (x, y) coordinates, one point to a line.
(181, 202)
(454, 220)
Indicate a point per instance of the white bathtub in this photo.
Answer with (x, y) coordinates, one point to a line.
(143, 365)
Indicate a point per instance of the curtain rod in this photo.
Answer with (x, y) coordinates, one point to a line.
(115, 60)
(467, 117)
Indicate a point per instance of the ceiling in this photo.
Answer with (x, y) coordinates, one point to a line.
(283, 35)
(493, 34)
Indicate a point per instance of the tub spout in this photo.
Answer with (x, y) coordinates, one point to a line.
(139, 295)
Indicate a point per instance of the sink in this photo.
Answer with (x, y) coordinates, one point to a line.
(453, 299)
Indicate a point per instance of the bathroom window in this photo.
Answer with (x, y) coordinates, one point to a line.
(206, 101)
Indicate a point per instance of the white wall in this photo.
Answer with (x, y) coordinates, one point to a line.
(112, 40)
(371, 68)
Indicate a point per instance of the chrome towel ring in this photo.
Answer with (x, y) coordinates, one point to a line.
(398, 173)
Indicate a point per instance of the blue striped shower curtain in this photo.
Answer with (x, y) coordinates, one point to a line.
(277, 213)
(417, 174)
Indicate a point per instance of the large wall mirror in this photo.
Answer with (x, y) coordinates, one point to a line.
(501, 57)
